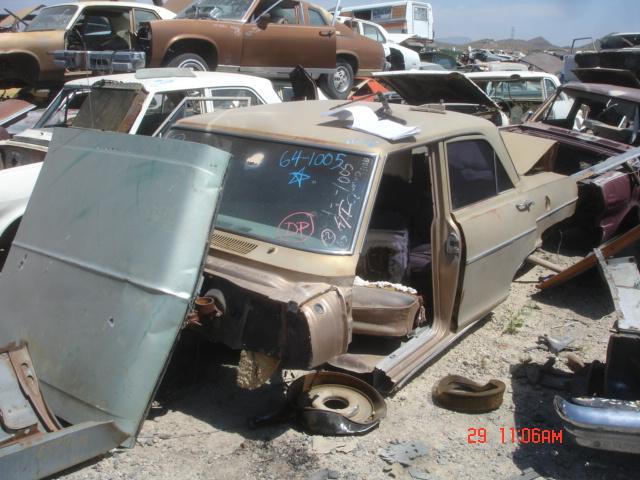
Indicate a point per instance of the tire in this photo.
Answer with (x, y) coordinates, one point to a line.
(190, 61)
(339, 84)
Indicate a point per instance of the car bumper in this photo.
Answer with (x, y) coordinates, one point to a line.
(100, 61)
(602, 423)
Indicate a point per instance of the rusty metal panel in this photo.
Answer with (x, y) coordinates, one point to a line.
(623, 280)
(105, 265)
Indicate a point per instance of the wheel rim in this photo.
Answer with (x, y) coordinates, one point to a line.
(341, 79)
(192, 64)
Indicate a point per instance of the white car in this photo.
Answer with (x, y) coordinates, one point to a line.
(144, 103)
(400, 58)
(516, 92)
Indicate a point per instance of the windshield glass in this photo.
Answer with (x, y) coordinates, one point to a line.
(63, 109)
(52, 18)
(217, 9)
(306, 198)
(512, 89)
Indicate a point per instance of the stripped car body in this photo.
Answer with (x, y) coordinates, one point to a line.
(25, 57)
(592, 123)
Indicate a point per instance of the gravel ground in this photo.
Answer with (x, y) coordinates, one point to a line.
(200, 431)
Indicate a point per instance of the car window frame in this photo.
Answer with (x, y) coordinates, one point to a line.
(497, 159)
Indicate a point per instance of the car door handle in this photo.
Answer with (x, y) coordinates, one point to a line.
(452, 244)
(325, 33)
(525, 206)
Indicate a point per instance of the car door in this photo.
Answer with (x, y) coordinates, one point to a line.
(493, 225)
(287, 40)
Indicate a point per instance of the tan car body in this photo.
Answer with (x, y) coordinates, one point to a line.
(307, 298)
(273, 50)
(25, 57)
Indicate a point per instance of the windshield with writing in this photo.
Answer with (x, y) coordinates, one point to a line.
(217, 9)
(306, 198)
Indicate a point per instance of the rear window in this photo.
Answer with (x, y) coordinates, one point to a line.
(105, 109)
(301, 197)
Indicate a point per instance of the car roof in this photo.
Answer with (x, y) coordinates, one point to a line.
(113, 3)
(625, 93)
(308, 122)
(161, 80)
(511, 73)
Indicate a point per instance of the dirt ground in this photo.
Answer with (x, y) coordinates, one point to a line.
(200, 431)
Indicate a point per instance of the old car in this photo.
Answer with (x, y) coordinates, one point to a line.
(309, 205)
(144, 103)
(25, 57)
(400, 58)
(516, 92)
(264, 37)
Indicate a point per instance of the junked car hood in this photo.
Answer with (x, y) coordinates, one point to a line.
(105, 265)
(418, 88)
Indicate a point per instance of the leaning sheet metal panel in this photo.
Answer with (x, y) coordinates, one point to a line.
(104, 265)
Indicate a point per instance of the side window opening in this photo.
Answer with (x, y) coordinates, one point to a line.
(316, 19)
(162, 104)
(475, 172)
(397, 246)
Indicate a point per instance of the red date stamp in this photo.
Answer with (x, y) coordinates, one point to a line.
(516, 435)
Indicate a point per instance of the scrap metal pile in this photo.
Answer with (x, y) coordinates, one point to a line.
(356, 238)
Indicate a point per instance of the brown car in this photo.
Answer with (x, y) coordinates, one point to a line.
(264, 37)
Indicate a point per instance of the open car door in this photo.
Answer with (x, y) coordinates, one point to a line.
(101, 275)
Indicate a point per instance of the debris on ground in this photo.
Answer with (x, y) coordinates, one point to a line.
(403, 453)
(556, 345)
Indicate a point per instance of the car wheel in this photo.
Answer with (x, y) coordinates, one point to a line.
(338, 84)
(190, 61)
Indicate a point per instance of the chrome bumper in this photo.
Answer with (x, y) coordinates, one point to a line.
(99, 61)
(602, 423)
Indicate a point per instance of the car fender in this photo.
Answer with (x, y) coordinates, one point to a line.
(16, 185)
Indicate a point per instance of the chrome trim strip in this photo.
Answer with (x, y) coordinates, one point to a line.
(500, 246)
(557, 209)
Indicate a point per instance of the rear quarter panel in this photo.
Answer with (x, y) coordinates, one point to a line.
(369, 54)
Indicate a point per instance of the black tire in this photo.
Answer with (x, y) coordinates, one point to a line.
(339, 84)
(191, 61)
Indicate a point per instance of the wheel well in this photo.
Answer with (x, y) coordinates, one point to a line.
(22, 63)
(351, 60)
(200, 47)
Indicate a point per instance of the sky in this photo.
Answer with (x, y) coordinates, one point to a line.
(559, 21)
